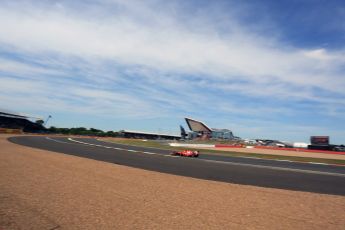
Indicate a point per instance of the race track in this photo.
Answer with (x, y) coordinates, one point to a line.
(325, 179)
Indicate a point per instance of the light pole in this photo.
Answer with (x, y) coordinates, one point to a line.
(45, 123)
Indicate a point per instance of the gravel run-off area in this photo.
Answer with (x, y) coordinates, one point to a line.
(47, 190)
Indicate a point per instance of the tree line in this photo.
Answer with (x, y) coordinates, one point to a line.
(83, 131)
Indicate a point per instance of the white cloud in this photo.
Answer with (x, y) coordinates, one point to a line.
(319, 54)
(167, 45)
(152, 58)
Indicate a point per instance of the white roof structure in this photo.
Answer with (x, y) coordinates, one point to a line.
(4, 113)
(197, 126)
(10, 114)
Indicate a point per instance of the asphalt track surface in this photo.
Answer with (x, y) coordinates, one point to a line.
(326, 179)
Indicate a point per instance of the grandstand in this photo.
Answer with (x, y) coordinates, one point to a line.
(147, 135)
(14, 121)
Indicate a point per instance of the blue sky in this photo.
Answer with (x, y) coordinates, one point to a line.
(265, 69)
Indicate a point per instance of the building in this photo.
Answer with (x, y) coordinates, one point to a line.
(147, 135)
(222, 134)
(320, 143)
(201, 130)
(10, 120)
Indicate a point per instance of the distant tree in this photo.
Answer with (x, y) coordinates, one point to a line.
(79, 131)
(53, 129)
(64, 130)
(111, 134)
(83, 131)
(96, 130)
(40, 122)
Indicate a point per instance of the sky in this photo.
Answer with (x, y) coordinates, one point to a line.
(264, 69)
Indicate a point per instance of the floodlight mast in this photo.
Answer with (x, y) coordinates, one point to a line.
(45, 123)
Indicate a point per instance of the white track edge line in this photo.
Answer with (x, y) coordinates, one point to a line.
(58, 141)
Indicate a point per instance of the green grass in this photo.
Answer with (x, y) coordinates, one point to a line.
(165, 145)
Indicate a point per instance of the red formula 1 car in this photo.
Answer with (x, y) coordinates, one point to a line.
(186, 153)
